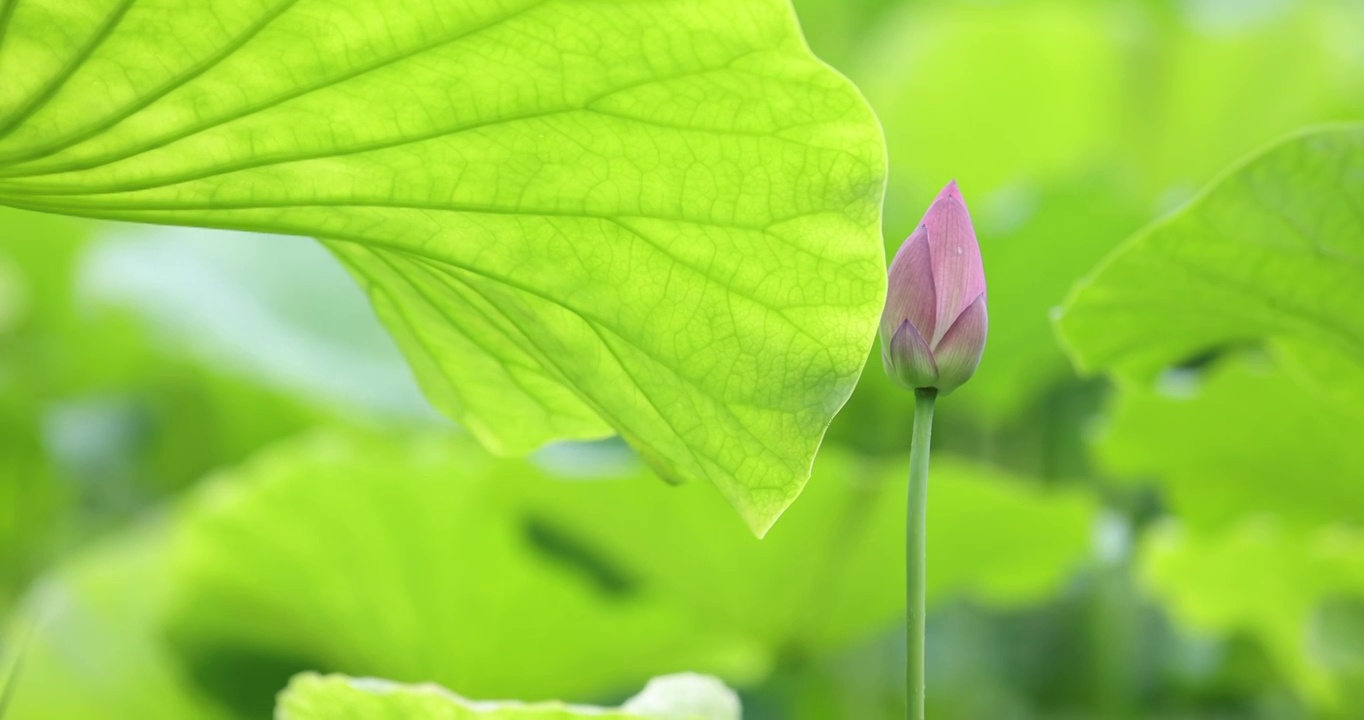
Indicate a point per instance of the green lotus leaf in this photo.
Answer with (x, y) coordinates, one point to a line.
(1272, 251)
(655, 219)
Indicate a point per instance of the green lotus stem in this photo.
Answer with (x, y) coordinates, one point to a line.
(916, 542)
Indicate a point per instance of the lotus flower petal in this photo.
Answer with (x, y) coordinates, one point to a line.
(958, 274)
(907, 358)
(912, 295)
(958, 353)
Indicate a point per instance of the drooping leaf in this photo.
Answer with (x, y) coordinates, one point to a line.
(1243, 439)
(657, 218)
(675, 697)
(1275, 249)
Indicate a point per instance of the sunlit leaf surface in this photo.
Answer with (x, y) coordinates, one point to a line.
(1275, 249)
(658, 219)
(314, 697)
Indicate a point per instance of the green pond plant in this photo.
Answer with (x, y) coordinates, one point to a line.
(932, 336)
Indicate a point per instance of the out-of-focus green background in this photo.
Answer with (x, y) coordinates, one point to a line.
(216, 471)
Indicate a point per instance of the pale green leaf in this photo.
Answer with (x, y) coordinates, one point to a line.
(314, 697)
(654, 218)
(1275, 249)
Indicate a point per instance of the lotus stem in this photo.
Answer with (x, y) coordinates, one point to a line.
(916, 541)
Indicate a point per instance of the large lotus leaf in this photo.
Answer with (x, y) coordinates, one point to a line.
(658, 219)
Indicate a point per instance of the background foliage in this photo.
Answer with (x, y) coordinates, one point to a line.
(216, 470)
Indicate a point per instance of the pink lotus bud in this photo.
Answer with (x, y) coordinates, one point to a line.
(933, 328)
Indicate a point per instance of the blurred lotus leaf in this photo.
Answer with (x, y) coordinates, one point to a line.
(1239, 438)
(1267, 580)
(426, 560)
(334, 697)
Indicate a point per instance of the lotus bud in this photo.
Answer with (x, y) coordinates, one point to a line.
(933, 328)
